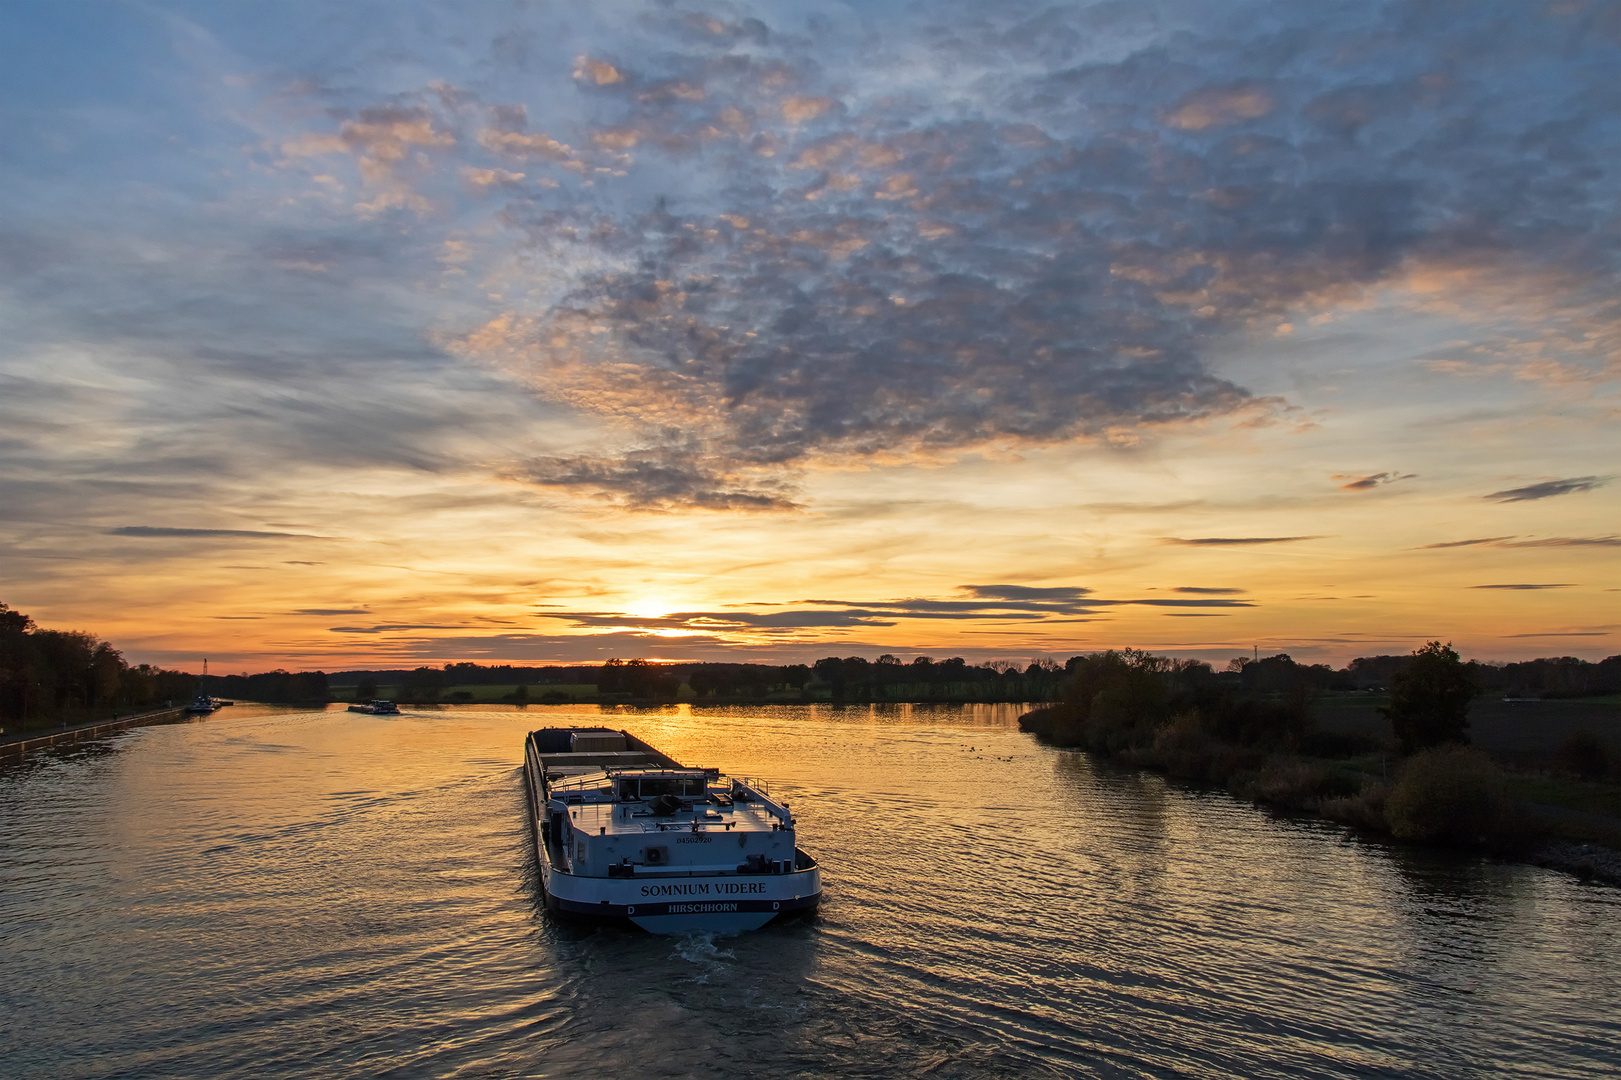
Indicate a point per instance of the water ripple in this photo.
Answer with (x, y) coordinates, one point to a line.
(280, 892)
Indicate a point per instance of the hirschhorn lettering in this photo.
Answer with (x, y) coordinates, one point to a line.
(697, 909)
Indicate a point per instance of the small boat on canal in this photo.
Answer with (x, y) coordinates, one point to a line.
(624, 832)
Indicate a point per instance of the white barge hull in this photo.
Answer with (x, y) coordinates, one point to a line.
(624, 832)
(668, 904)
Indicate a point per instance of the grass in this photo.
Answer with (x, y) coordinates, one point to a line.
(499, 691)
(481, 693)
(1584, 796)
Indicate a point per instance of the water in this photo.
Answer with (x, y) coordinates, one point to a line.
(275, 892)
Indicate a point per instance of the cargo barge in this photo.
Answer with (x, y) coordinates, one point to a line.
(624, 832)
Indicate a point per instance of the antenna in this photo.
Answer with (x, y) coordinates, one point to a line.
(205, 667)
(1257, 649)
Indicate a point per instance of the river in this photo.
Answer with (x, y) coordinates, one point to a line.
(280, 892)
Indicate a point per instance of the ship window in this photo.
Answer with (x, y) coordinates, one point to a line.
(654, 788)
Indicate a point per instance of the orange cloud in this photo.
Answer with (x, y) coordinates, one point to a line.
(1220, 106)
(597, 72)
(798, 110)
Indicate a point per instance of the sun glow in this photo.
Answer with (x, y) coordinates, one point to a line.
(651, 607)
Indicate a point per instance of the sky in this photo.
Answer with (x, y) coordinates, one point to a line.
(379, 335)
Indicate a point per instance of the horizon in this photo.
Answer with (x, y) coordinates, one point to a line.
(395, 335)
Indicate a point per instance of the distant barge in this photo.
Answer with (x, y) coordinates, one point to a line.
(625, 832)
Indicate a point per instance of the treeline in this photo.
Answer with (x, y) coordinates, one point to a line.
(857, 680)
(1549, 677)
(286, 687)
(47, 676)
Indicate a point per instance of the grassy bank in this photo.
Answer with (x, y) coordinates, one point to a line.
(1453, 796)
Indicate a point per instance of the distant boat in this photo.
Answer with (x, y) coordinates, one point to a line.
(377, 707)
(202, 704)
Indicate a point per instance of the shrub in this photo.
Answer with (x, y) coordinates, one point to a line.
(1364, 810)
(1583, 755)
(1452, 794)
(1295, 784)
(1055, 724)
(1253, 722)
(1184, 750)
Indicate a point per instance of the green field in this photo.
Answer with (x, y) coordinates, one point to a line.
(495, 693)
(499, 691)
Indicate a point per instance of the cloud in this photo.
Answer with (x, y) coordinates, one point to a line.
(657, 479)
(1548, 489)
(900, 238)
(1061, 595)
(163, 531)
(1539, 542)
(915, 281)
(1237, 541)
(1207, 591)
(1564, 633)
(984, 603)
(1556, 586)
(1566, 541)
(1219, 106)
(331, 611)
(1494, 541)
(1364, 483)
(390, 628)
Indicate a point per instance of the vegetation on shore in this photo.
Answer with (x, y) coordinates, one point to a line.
(1183, 719)
(52, 677)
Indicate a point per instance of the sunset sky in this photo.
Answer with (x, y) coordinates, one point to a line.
(349, 335)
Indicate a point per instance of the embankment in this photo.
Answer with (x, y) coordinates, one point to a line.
(1450, 796)
(18, 746)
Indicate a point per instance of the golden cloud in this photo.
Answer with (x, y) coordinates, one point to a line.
(597, 72)
(798, 110)
(1220, 106)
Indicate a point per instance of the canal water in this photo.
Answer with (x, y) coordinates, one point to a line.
(275, 892)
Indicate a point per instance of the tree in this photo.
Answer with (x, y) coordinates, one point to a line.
(1429, 699)
(367, 689)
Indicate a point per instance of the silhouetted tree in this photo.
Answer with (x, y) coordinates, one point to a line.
(1429, 699)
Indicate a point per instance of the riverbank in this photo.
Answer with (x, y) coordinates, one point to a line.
(20, 744)
(1450, 797)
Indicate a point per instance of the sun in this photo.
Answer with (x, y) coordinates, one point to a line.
(651, 607)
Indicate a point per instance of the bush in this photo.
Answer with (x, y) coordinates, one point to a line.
(1452, 795)
(1364, 810)
(1583, 755)
(1253, 722)
(1295, 784)
(1185, 751)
